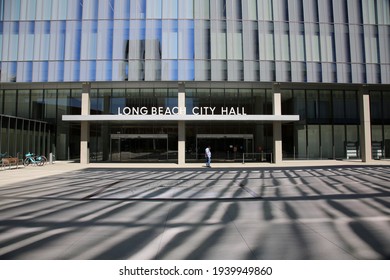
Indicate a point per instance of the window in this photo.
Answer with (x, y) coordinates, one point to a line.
(234, 40)
(10, 102)
(371, 44)
(169, 39)
(28, 9)
(327, 42)
(251, 9)
(153, 9)
(282, 44)
(266, 41)
(383, 8)
(137, 9)
(368, 9)
(218, 9)
(218, 40)
(186, 9)
(37, 105)
(169, 9)
(1, 11)
(202, 9)
(13, 10)
(264, 10)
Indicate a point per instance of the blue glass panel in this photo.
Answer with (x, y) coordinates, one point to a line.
(169, 39)
(186, 70)
(28, 71)
(1, 41)
(137, 9)
(12, 68)
(45, 8)
(75, 10)
(169, 70)
(108, 70)
(12, 9)
(121, 9)
(153, 9)
(44, 71)
(62, 9)
(13, 41)
(76, 70)
(186, 9)
(92, 70)
(169, 8)
(60, 69)
(27, 29)
(186, 39)
(61, 40)
(90, 9)
(31, 10)
(1, 9)
(115, 103)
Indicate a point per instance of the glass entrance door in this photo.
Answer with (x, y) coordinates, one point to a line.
(224, 147)
(139, 147)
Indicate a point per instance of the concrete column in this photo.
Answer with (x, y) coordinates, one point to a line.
(181, 145)
(84, 137)
(106, 137)
(365, 126)
(277, 126)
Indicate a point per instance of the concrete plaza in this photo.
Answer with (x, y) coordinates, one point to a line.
(296, 211)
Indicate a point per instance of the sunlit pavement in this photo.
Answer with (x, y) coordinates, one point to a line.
(330, 210)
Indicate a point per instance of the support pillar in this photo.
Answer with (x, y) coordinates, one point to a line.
(181, 127)
(277, 125)
(106, 137)
(365, 126)
(84, 134)
(182, 143)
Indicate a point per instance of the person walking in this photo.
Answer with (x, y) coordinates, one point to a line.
(207, 155)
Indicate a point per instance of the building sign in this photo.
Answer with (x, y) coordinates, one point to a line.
(164, 111)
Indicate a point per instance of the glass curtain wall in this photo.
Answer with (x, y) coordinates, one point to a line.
(24, 126)
(171, 40)
(19, 136)
(133, 142)
(229, 141)
(328, 125)
(380, 123)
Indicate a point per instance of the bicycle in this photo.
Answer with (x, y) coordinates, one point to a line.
(33, 159)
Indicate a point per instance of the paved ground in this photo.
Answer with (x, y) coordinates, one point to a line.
(340, 210)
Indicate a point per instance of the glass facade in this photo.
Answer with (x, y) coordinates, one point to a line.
(329, 121)
(19, 136)
(122, 141)
(228, 53)
(195, 40)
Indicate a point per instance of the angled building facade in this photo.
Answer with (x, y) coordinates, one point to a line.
(159, 80)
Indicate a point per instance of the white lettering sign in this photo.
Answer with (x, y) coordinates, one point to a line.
(180, 111)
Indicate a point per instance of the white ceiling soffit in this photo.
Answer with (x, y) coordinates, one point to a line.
(192, 118)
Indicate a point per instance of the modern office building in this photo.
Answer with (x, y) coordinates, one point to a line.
(159, 80)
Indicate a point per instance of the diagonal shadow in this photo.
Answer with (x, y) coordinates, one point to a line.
(361, 230)
(45, 230)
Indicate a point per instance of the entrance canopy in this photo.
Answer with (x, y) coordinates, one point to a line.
(197, 118)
